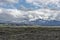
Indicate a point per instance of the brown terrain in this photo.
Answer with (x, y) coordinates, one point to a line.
(9, 33)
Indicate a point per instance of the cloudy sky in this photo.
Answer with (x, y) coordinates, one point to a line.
(19, 10)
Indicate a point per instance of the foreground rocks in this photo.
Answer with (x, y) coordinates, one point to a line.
(28, 34)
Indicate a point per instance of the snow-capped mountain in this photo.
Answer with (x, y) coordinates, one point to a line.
(46, 22)
(39, 22)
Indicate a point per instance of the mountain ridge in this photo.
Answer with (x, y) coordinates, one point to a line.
(40, 22)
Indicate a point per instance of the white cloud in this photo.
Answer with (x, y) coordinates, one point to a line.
(9, 1)
(25, 14)
(6, 2)
(10, 14)
(20, 16)
(12, 1)
(45, 14)
(44, 3)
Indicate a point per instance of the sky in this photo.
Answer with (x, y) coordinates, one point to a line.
(23, 10)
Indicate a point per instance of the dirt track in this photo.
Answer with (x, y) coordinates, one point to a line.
(28, 34)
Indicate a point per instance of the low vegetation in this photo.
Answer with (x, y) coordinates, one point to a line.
(8, 32)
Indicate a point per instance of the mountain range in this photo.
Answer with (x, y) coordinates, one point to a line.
(39, 22)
